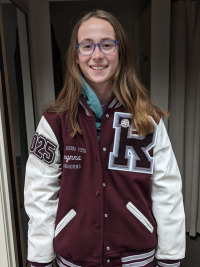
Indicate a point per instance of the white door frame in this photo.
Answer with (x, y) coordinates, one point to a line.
(7, 242)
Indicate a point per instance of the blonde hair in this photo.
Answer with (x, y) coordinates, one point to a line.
(127, 87)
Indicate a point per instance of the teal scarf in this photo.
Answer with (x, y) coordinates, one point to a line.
(94, 104)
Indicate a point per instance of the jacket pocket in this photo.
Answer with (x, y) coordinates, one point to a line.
(140, 216)
(68, 217)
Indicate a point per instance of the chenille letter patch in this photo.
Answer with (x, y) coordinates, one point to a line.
(131, 151)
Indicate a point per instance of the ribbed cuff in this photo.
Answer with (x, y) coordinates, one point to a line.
(36, 264)
(168, 263)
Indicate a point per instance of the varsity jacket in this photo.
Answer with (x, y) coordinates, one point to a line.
(113, 202)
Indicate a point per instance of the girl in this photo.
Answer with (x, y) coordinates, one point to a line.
(102, 183)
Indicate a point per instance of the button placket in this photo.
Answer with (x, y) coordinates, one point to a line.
(104, 149)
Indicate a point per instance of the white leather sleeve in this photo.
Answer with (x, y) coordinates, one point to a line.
(167, 199)
(42, 184)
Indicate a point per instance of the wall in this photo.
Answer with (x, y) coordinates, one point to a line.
(10, 25)
(160, 49)
(145, 45)
(41, 54)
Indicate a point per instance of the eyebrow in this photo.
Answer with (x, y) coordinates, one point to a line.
(92, 41)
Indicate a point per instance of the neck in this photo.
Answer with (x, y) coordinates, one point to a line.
(102, 91)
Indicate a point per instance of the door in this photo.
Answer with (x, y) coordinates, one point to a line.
(17, 125)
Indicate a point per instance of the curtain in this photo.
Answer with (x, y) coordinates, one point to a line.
(184, 104)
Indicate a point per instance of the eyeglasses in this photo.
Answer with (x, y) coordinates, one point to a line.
(106, 47)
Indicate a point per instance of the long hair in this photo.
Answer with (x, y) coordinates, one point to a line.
(127, 87)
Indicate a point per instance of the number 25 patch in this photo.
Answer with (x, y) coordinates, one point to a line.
(43, 148)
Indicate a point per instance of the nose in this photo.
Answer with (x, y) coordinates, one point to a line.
(97, 52)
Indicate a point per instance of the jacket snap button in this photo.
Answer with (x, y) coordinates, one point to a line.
(106, 215)
(108, 260)
(104, 184)
(108, 248)
(107, 116)
(104, 149)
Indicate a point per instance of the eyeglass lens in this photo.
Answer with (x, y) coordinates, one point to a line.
(106, 47)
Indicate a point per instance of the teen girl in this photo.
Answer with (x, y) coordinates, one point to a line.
(102, 183)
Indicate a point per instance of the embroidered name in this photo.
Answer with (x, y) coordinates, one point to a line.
(82, 150)
(71, 148)
(131, 151)
(69, 157)
(43, 148)
(72, 166)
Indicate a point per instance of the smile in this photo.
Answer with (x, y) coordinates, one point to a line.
(98, 67)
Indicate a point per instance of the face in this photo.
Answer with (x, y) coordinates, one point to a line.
(98, 68)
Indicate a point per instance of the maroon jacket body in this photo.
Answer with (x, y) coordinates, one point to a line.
(104, 202)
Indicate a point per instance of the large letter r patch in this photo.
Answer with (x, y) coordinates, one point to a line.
(131, 151)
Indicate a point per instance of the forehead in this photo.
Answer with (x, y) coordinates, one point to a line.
(95, 29)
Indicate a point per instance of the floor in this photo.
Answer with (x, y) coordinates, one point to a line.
(192, 258)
